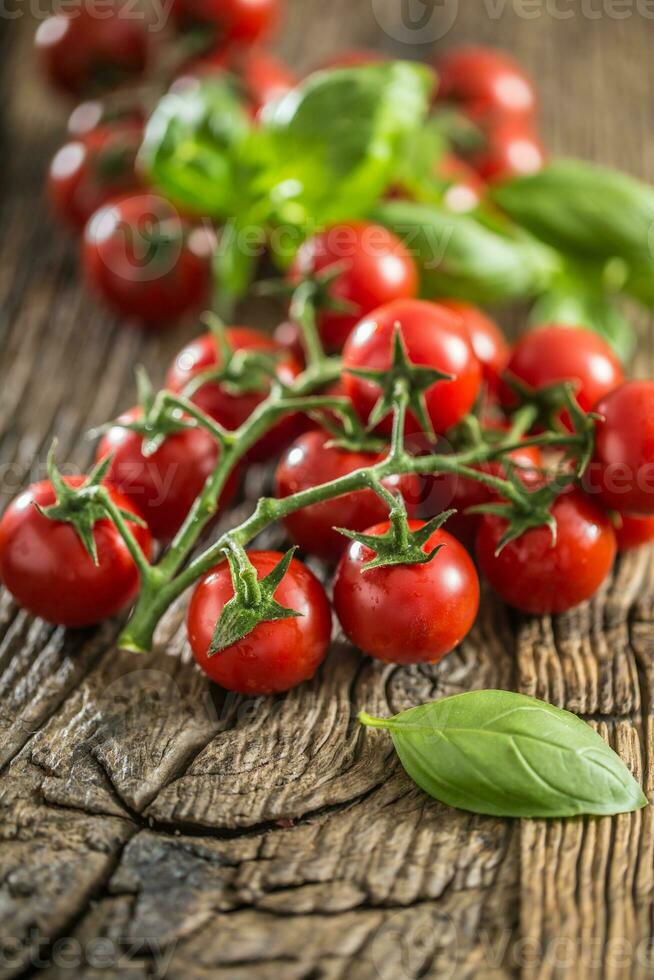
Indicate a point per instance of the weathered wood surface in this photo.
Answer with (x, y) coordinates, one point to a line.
(151, 825)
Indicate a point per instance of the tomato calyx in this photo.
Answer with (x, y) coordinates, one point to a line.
(402, 381)
(238, 371)
(83, 506)
(158, 419)
(253, 601)
(532, 512)
(400, 545)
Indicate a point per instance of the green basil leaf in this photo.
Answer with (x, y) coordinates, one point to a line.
(508, 755)
(464, 258)
(330, 148)
(584, 209)
(191, 147)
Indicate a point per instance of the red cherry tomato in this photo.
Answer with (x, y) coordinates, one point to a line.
(488, 84)
(632, 531)
(377, 268)
(433, 336)
(553, 353)
(466, 190)
(488, 342)
(309, 462)
(82, 51)
(622, 470)
(234, 21)
(48, 571)
(511, 151)
(407, 614)
(226, 407)
(145, 261)
(537, 576)
(87, 173)
(274, 656)
(164, 485)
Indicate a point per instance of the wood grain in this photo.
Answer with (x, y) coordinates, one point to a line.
(153, 826)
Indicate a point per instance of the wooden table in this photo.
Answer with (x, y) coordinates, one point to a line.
(152, 825)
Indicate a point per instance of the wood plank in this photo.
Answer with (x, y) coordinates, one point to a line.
(256, 839)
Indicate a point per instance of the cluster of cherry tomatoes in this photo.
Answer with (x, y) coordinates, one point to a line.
(401, 613)
(364, 286)
(139, 255)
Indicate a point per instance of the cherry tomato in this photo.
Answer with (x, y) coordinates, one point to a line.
(432, 336)
(228, 408)
(48, 571)
(274, 656)
(309, 462)
(489, 85)
(234, 21)
(622, 470)
(553, 353)
(488, 342)
(87, 173)
(377, 268)
(466, 190)
(145, 261)
(511, 151)
(164, 485)
(407, 614)
(632, 531)
(537, 576)
(82, 52)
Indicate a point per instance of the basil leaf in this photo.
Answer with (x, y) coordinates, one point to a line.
(463, 258)
(191, 143)
(509, 755)
(330, 148)
(584, 209)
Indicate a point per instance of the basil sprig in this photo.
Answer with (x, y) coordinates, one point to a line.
(461, 256)
(508, 755)
(585, 210)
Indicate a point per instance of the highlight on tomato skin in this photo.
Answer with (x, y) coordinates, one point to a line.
(311, 461)
(539, 576)
(434, 337)
(407, 614)
(489, 344)
(49, 572)
(275, 656)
